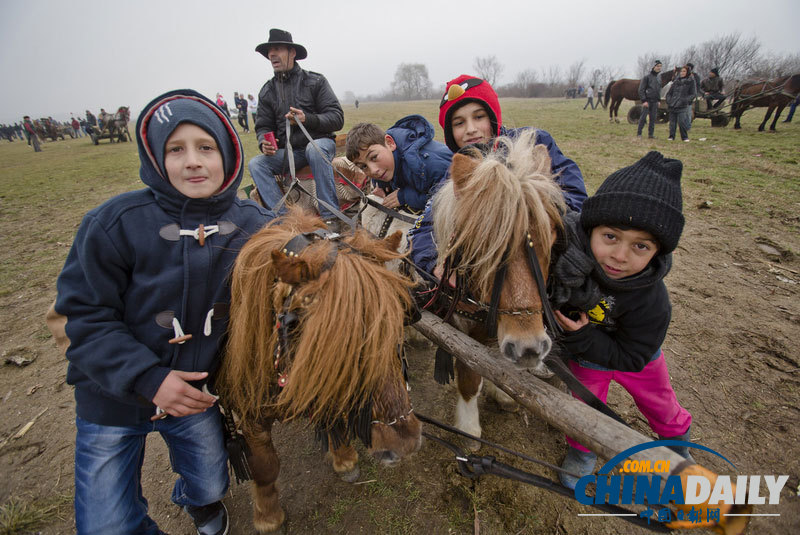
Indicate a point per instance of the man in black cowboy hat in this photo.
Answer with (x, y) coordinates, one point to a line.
(302, 97)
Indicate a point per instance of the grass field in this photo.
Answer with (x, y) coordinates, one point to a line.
(741, 190)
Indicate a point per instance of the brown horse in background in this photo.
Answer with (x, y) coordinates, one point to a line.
(771, 94)
(617, 90)
(315, 325)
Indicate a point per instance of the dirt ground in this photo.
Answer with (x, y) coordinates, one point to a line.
(736, 318)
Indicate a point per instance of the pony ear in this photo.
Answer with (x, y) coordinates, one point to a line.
(461, 169)
(393, 242)
(291, 270)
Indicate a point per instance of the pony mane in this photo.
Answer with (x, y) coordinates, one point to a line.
(511, 192)
(350, 324)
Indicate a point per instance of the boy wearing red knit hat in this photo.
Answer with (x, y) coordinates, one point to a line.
(470, 114)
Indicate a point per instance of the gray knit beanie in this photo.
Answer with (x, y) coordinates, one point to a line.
(645, 195)
(175, 112)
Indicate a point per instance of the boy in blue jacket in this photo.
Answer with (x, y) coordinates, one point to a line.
(405, 162)
(470, 114)
(145, 293)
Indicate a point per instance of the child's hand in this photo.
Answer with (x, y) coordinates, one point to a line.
(378, 192)
(177, 397)
(391, 201)
(571, 325)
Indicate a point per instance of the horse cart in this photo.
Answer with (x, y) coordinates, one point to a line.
(115, 127)
(700, 110)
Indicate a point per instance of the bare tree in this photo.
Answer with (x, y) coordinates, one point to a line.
(411, 82)
(644, 63)
(575, 73)
(734, 56)
(605, 73)
(552, 75)
(774, 66)
(488, 68)
(525, 81)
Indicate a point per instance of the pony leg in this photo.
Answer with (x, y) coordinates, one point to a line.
(265, 466)
(467, 417)
(345, 462)
(503, 400)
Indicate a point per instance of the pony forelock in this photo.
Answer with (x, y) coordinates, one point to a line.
(344, 349)
(510, 193)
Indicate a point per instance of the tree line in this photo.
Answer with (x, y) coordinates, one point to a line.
(736, 57)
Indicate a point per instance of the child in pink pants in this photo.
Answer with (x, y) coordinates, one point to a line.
(625, 235)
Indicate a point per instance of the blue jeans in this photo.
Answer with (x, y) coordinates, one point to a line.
(682, 118)
(108, 470)
(263, 169)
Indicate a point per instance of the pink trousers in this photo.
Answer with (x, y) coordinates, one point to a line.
(650, 389)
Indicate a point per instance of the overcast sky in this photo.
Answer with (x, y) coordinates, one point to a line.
(67, 56)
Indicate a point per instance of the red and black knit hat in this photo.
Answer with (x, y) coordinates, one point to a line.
(465, 89)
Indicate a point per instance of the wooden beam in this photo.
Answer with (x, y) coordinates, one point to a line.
(598, 432)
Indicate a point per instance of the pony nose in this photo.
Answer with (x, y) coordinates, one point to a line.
(538, 348)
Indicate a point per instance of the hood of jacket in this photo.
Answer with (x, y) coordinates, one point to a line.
(411, 134)
(206, 115)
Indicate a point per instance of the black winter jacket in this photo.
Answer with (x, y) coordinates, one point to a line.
(682, 93)
(650, 87)
(305, 90)
(630, 323)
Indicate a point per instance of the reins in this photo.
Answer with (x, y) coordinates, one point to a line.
(351, 222)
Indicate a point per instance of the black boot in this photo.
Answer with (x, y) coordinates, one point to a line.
(683, 451)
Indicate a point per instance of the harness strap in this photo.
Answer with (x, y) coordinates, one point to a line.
(391, 213)
(474, 466)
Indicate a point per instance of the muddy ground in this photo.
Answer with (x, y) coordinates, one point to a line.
(730, 350)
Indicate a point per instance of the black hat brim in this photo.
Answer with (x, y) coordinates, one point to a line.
(300, 50)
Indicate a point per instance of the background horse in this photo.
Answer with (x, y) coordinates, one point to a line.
(617, 90)
(314, 332)
(485, 217)
(771, 94)
(116, 125)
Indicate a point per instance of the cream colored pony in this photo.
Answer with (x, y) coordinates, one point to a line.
(492, 205)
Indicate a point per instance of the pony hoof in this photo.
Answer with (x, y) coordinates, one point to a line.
(472, 445)
(507, 406)
(270, 527)
(351, 476)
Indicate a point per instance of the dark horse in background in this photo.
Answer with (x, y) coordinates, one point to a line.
(771, 94)
(616, 90)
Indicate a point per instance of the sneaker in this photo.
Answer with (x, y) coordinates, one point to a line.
(580, 463)
(211, 519)
(670, 139)
(686, 140)
(651, 137)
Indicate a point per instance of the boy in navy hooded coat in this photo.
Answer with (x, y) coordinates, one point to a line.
(405, 162)
(145, 293)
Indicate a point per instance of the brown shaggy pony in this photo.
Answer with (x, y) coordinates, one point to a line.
(338, 365)
(487, 211)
